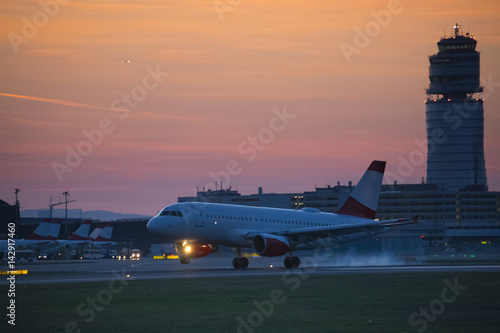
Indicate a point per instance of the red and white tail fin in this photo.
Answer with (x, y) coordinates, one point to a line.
(82, 233)
(105, 234)
(42, 231)
(95, 233)
(363, 201)
(54, 229)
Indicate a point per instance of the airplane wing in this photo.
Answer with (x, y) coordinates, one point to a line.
(401, 221)
(39, 243)
(369, 227)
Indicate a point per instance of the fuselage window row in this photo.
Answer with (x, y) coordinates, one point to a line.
(250, 219)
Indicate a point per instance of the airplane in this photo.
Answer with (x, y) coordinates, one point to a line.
(80, 238)
(43, 238)
(198, 228)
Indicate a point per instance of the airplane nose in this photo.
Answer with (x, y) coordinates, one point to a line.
(153, 226)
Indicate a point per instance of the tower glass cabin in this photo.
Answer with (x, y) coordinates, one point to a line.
(454, 115)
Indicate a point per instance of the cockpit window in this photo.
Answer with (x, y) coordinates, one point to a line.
(171, 213)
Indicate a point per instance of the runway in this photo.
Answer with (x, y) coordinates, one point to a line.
(107, 270)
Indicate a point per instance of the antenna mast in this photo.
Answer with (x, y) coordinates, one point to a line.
(65, 202)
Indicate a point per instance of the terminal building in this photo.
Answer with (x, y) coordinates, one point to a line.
(459, 220)
(457, 212)
(8, 214)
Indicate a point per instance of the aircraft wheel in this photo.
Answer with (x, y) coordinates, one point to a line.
(295, 261)
(243, 262)
(236, 262)
(288, 262)
(185, 260)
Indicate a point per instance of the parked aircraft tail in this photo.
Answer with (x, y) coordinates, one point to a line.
(42, 231)
(82, 233)
(97, 230)
(105, 234)
(54, 229)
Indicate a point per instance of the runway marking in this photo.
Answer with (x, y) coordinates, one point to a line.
(100, 276)
(15, 272)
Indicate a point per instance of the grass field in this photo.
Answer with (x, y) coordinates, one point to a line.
(451, 302)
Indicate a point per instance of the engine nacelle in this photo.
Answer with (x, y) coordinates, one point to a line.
(193, 250)
(270, 245)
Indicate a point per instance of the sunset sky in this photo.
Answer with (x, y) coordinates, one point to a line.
(170, 92)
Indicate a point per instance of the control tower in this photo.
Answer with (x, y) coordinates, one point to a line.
(454, 115)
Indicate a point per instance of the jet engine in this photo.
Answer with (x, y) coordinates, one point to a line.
(270, 245)
(193, 250)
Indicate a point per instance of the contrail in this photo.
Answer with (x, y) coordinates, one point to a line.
(194, 120)
(95, 107)
(59, 102)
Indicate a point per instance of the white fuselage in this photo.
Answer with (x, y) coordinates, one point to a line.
(23, 244)
(230, 225)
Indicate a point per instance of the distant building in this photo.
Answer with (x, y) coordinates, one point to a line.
(445, 216)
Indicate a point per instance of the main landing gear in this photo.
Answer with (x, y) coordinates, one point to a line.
(292, 262)
(240, 261)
